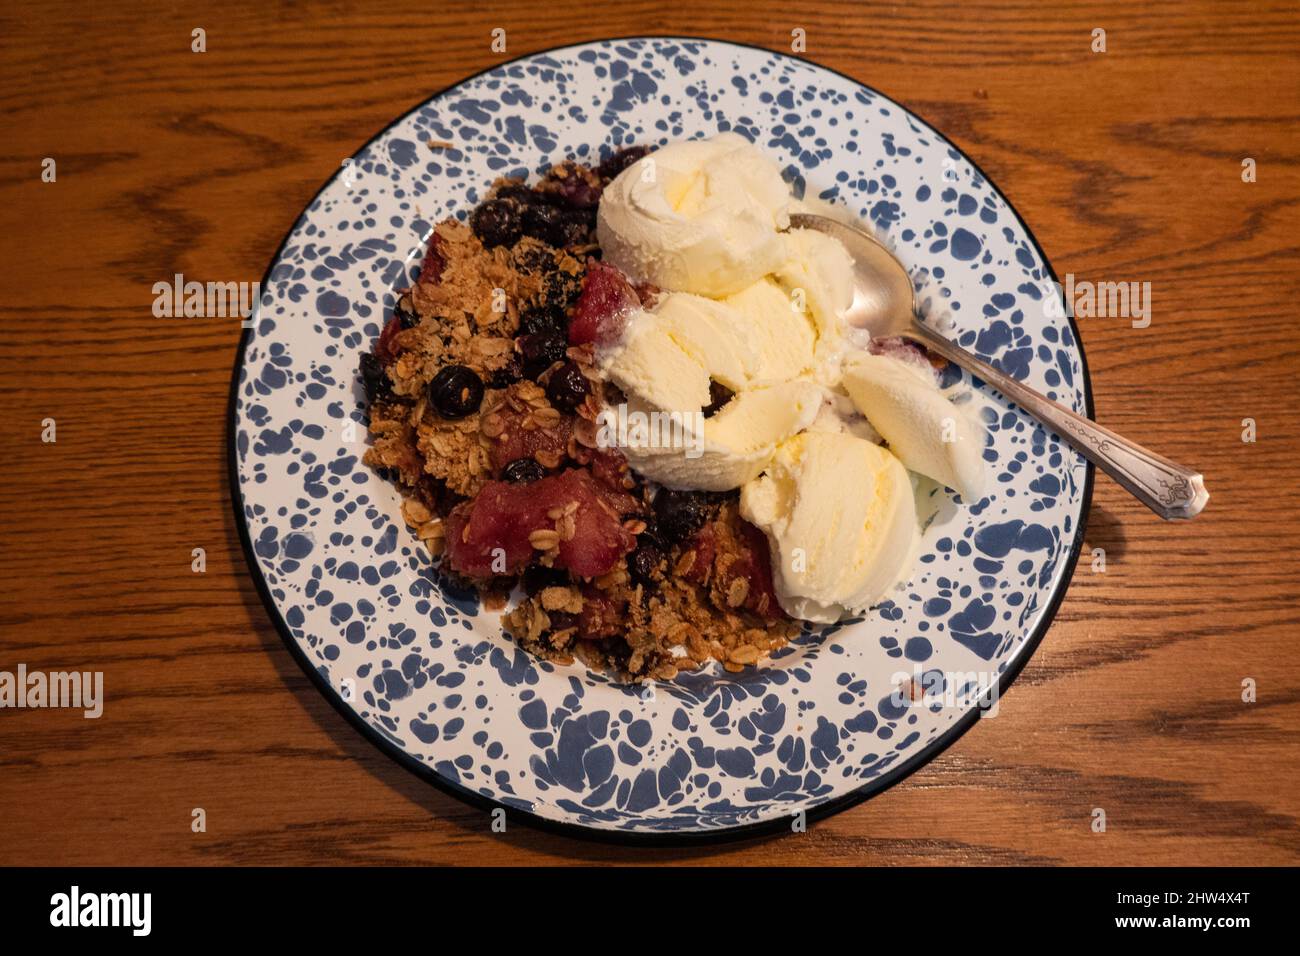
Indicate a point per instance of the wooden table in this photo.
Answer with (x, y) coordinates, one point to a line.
(1127, 165)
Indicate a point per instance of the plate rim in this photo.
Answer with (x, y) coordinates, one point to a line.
(670, 838)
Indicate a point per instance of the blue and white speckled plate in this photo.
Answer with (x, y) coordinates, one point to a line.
(429, 676)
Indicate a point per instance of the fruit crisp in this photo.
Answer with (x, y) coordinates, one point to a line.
(483, 400)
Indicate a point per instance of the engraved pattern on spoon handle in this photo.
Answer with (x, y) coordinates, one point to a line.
(1167, 488)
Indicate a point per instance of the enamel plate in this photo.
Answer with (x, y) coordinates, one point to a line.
(428, 675)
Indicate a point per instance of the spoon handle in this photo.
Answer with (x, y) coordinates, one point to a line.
(1167, 488)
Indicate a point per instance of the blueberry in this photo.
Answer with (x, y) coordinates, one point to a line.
(579, 193)
(405, 313)
(550, 311)
(567, 387)
(719, 395)
(541, 222)
(496, 223)
(651, 535)
(374, 380)
(558, 227)
(679, 514)
(541, 318)
(455, 391)
(522, 471)
(575, 227)
(643, 562)
(541, 350)
(507, 374)
(537, 577)
(533, 258)
(560, 289)
(620, 161)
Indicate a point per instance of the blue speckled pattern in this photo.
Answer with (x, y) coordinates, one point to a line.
(432, 674)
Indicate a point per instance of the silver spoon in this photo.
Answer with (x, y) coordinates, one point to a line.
(884, 304)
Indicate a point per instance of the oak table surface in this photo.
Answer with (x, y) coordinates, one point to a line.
(1127, 164)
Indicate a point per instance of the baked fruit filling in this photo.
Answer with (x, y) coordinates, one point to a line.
(484, 393)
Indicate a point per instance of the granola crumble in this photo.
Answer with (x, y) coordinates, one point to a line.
(500, 466)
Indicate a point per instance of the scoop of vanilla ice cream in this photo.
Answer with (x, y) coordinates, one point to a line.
(655, 369)
(756, 337)
(734, 445)
(930, 434)
(713, 334)
(840, 517)
(667, 356)
(699, 216)
(779, 332)
(822, 269)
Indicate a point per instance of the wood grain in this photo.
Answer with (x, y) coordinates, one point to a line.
(1127, 165)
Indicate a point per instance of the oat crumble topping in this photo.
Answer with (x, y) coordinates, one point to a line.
(483, 405)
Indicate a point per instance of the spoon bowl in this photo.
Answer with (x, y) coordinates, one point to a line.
(884, 302)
